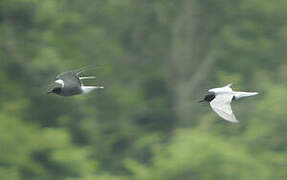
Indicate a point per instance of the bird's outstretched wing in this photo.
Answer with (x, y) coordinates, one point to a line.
(76, 72)
(86, 68)
(221, 104)
(224, 89)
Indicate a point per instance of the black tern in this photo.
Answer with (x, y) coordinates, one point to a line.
(70, 83)
(220, 101)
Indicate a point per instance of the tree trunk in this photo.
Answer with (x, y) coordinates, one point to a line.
(192, 56)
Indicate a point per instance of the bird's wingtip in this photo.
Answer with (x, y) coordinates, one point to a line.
(233, 120)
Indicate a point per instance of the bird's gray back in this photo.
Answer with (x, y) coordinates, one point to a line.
(72, 84)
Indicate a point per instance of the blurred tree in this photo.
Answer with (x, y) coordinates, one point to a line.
(156, 58)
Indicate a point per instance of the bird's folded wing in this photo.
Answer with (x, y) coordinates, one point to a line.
(221, 104)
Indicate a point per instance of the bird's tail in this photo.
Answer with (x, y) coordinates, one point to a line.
(88, 89)
(239, 94)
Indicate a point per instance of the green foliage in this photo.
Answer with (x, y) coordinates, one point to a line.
(200, 155)
(155, 59)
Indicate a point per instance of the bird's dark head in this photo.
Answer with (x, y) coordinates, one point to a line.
(56, 90)
(209, 97)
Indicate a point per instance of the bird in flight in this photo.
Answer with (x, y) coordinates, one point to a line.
(220, 101)
(70, 83)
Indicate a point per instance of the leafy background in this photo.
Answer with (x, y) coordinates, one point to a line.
(157, 58)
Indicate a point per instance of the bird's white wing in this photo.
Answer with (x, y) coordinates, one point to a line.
(225, 89)
(221, 104)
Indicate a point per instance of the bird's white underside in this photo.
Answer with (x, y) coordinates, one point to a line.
(88, 89)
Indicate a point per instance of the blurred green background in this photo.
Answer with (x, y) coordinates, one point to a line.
(157, 59)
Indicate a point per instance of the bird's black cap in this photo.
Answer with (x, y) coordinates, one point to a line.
(209, 97)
